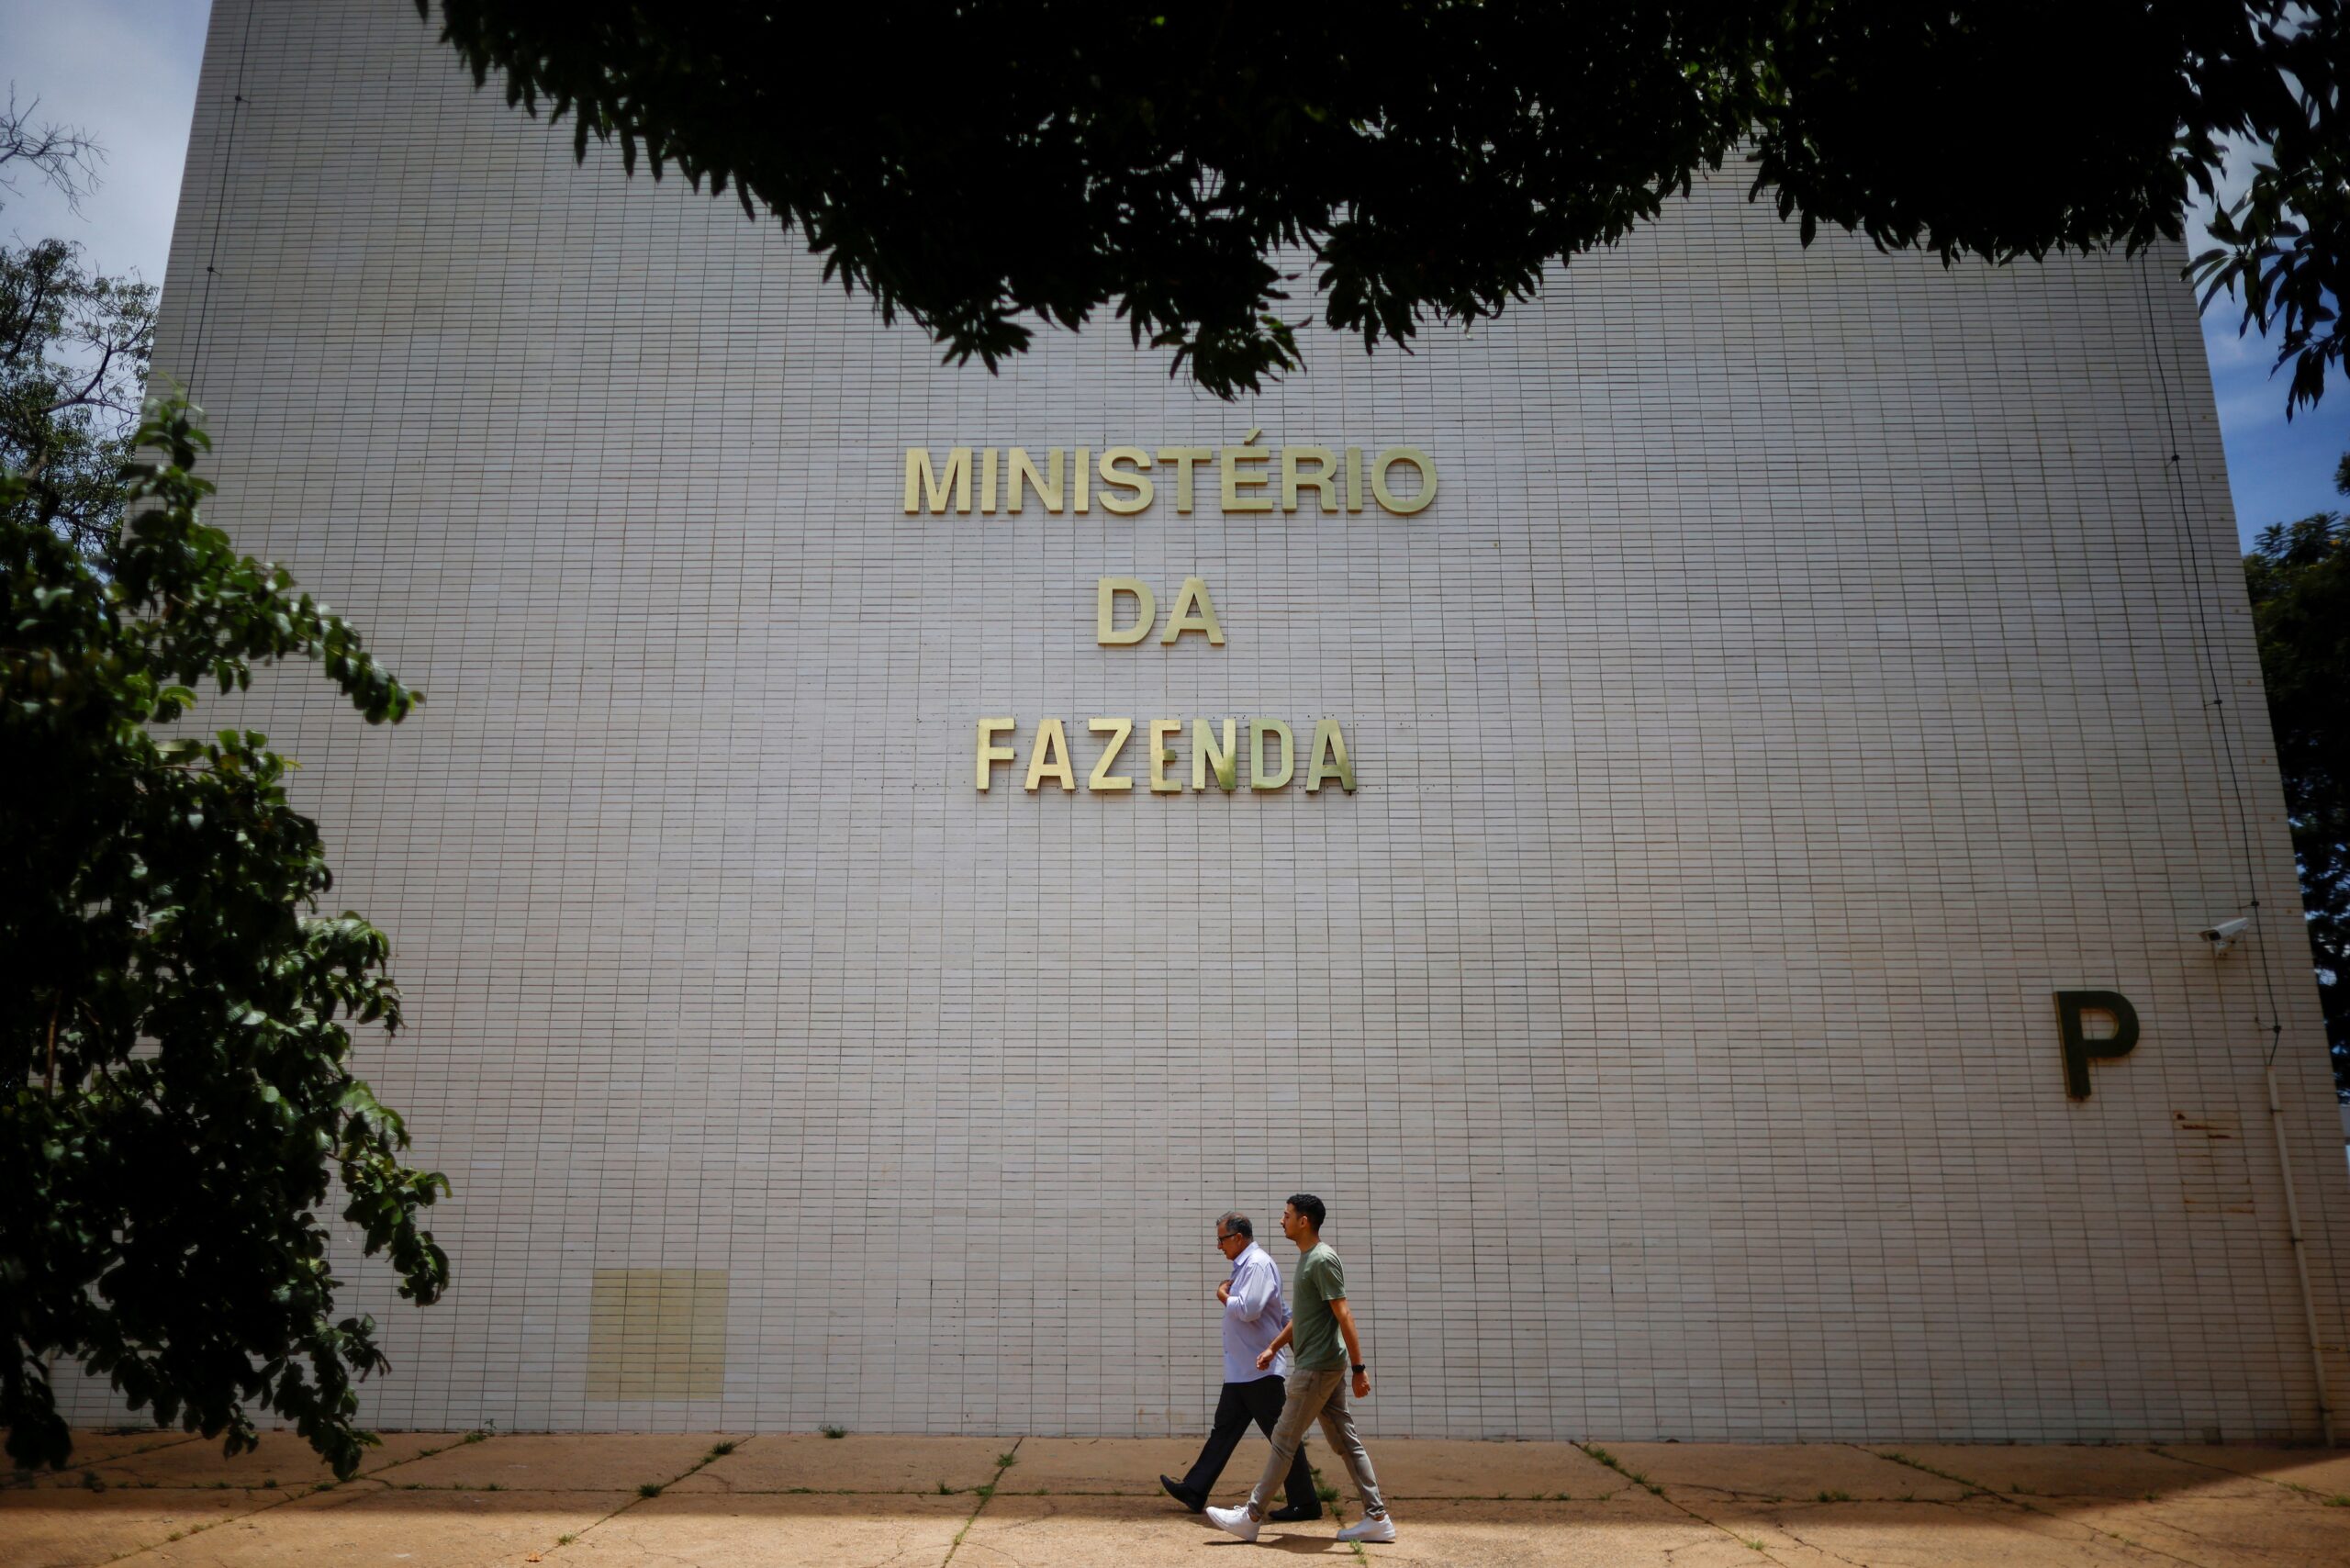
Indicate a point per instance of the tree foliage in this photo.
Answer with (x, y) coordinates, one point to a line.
(2284, 248)
(73, 349)
(175, 1082)
(74, 352)
(1194, 169)
(175, 1088)
(2299, 574)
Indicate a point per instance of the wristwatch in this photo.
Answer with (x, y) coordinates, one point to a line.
(1362, 1367)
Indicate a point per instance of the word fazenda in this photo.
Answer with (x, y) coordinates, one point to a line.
(1216, 759)
(1124, 480)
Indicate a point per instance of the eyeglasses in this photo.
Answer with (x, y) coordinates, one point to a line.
(1223, 1237)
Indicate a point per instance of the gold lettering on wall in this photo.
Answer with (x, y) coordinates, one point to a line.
(1217, 757)
(1194, 611)
(1050, 758)
(1106, 630)
(1101, 781)
(989, 753)
(1248, 477)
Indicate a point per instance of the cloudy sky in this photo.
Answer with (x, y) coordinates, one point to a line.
(125, 70)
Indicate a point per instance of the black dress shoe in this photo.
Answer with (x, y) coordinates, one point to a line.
(1294, 1514)
(1175, 1489)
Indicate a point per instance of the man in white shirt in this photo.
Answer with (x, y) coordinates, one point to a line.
(1254, 1316)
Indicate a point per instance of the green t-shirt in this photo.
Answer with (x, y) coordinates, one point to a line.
(1321, 1280)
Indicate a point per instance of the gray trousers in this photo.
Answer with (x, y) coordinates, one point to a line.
(1318, 1397)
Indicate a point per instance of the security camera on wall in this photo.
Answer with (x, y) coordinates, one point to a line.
(2223, 936)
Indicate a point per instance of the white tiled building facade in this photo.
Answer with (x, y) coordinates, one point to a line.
(1807, 668)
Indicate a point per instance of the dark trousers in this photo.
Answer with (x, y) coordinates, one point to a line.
(1240, 1403)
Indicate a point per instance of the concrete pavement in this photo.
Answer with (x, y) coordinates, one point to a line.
(732, 1501)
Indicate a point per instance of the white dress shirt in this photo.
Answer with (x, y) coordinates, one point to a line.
(1254, 1316)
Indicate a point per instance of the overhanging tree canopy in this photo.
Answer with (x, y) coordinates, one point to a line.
(975, 167)
(2299, 578)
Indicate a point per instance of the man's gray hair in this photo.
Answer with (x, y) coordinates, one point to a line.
(1236, 1223)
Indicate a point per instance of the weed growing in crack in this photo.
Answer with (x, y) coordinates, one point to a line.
(650, 1489)
(1900, 1457)
(831, 1431)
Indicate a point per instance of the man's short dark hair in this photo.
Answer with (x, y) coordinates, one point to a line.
(1237, 1223)
(1309, 1208)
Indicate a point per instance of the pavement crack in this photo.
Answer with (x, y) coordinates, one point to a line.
(1897, 1457)
(1781, 1526)
(646, 1493)
(2034, 1508)
(1004, 1461)
(2225, 1548)
(2025, 1502)
(292, 1495)
(2290, 1488)
(1610, 1461)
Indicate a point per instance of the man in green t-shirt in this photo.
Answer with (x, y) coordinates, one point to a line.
(1319, 1321)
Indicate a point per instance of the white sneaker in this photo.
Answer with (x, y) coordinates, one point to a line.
(1368, 1527)
(1239, 1521)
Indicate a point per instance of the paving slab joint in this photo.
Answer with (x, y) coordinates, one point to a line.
(645, 1492)
(1620, 1468)
(2293, 1489)
(2024, 1500)
(1897, 1457)
(293, 1494)
(26, 1475)
(1003, 1461)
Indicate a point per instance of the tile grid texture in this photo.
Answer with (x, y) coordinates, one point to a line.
(1795, 682)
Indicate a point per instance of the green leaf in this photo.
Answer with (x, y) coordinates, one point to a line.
(159, 902)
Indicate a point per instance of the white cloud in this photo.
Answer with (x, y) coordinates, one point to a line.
(2226, 347)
